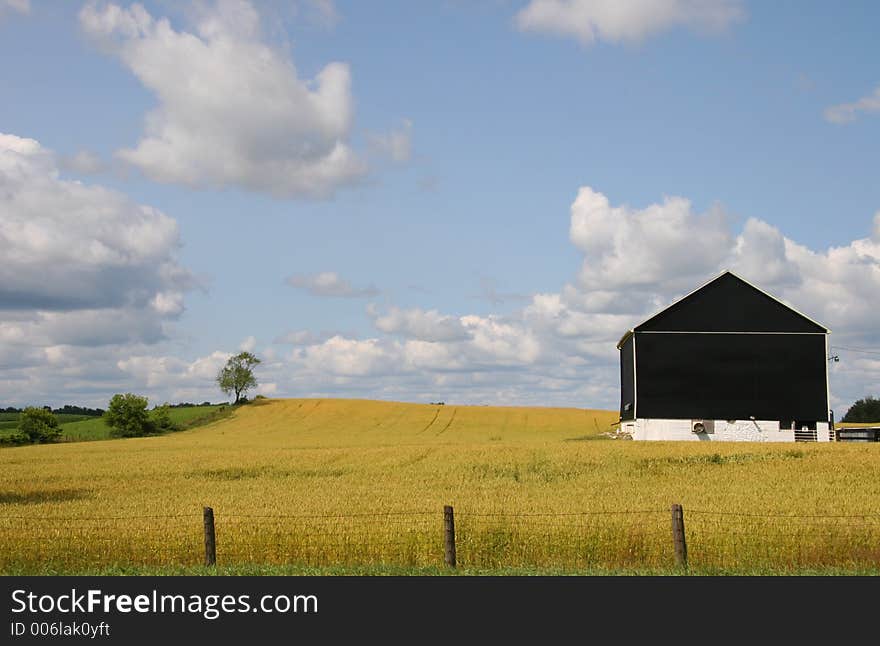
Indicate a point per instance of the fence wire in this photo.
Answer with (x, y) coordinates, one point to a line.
(91, 542)
(577, 541)
(762, 542)
(588, 540)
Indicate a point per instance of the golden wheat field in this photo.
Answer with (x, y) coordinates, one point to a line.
(329, 482)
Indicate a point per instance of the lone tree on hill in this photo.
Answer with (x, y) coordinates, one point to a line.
(864, 410)
(237, 376)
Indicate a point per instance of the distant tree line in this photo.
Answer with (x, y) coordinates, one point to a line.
(188, 405)
(67, 409)
(864, 410)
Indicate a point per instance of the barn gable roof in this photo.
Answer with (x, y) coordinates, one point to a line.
(729, 303)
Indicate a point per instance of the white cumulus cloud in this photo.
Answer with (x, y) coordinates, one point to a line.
(15, 6)
(675, 245)
(329, 283)
(233, 110)
(396, 144)
(617, 21)
(70, 246)
(322, 12)
(84, 162)
(87, 277)
(848, 112)
(653, 254)
(419, 324)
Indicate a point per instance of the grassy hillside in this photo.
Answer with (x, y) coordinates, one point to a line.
(10, 420)
(94, 428)
(82, 428)
(363, 483)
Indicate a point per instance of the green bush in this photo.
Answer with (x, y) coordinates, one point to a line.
(38, 426)
(14, 439)
(127, 416)
(160, 418)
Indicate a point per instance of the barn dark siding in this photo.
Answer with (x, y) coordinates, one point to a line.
(627, 381)
(731, 376)
(729, 304)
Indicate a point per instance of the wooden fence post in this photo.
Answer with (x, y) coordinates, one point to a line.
(210, 540)
(678, 538)
(449, 535)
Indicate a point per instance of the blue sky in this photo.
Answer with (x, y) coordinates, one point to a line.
(474, 203)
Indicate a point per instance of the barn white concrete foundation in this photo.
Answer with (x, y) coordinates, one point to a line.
(721, 431)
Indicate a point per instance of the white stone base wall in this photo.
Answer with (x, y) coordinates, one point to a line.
(717, 430)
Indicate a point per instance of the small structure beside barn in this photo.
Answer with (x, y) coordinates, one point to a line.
(858, 434)
(727, 362)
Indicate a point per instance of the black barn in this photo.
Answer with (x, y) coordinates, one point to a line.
(727, 351)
